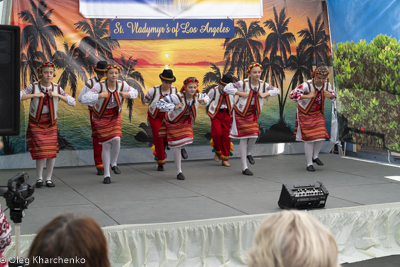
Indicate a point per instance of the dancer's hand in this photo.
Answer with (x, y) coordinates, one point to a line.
(263, 95)
(124, 95)
(39, 95)
(179, 105)
(53, 94)
(202, 101)
(328, 95)
(103, 95)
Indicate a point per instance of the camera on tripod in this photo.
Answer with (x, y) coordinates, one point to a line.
(18, 194)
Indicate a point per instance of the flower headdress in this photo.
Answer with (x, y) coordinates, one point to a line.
(113, 67)
(187, 81)
(47, 65)
(252, 66)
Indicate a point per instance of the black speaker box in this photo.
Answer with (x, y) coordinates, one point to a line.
(303, 196)
(9, 80)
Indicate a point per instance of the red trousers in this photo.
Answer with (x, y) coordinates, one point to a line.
(97, 148)
(160, 143)
(220, 127)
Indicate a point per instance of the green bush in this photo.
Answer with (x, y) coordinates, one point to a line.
(373, 67)
(369, 118)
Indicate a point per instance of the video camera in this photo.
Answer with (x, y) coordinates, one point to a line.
(18, 194)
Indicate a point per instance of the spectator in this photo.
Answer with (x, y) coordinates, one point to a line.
(70, 240)
(293, 239)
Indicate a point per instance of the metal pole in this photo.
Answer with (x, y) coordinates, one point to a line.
(5, 14)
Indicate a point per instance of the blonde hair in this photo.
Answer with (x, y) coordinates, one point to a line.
(293, 239)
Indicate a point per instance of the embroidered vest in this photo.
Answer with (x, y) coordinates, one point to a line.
(175, 115)
(243, 104)
(153, 110)
(89, 84)
(36, 106)
(304, 105)
(217, 101)
(101, 105)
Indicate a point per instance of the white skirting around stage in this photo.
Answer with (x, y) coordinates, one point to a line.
(361, 233)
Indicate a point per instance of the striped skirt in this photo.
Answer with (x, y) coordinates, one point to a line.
(312, 126)
(108, 126)
(42, 138)
(245, 127)
(180, 133)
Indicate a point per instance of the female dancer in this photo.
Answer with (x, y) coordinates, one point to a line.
(106, 97)
(41, 135)
(247, 109)
(181, 111)
(310, 120)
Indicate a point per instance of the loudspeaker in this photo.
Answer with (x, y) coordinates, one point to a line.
(9, 80)
(303, 196)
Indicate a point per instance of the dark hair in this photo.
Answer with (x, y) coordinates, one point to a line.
(321, 66)
(70, 236)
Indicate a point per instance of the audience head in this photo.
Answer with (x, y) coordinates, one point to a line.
(70, 236)
(293, 239)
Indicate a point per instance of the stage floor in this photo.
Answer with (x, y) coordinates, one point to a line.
(141, 194)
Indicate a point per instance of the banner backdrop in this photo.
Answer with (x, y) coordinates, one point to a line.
(56, 31)
(367, 65)
(162, 9)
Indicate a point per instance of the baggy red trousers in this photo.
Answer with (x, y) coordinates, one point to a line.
(160, 143)
(97, 148)
(220, 127)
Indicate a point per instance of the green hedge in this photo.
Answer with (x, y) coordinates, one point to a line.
(373, 67)
(369, 118)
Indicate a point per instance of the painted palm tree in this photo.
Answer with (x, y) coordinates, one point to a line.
(29, 63)
(244, 48)
(212, 78)
(72, 64)
(314, 42)
(97, 45)
(39, 33)
(274, 74)
(279, 39)
(133, 78)
(302, 67)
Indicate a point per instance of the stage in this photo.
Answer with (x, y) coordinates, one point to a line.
(141, 195)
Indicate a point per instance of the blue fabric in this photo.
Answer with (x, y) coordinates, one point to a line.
(355, 20)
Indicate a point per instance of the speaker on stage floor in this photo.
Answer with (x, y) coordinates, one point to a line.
(303, 196)
(9, 80)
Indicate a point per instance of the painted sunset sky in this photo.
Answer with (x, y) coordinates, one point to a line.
(66, 13)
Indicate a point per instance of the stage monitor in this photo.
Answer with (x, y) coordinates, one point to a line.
(303, 196)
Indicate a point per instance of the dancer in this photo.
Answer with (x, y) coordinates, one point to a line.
(247, 109)
(41, 135)
(155, 116)
(100, 68)
(310, 119)
(106, 97)
(220, 112)
(181, 111)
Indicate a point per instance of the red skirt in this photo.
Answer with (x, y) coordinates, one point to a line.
(108, 126)
(312, 126)
(179, 133)
(42, 138)
(245, 127)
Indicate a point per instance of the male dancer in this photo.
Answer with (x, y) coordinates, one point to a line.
(97, 148)
(155, 116)
(220, 112)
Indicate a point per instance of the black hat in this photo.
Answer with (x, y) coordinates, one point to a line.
(101, 66)
(227, 78)
(168, 76)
